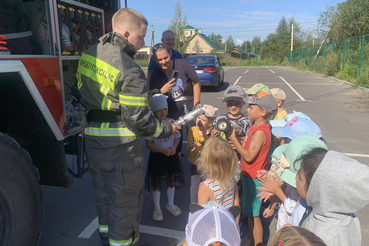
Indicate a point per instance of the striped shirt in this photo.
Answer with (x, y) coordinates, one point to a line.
(225, 198)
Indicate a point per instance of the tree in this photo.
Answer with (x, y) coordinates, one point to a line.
(197, 48)
(256, 44)
(177, 25)
(246, 46)
(351, 19)
(326, 23)
(283, 31)
(217, 39)
(272, 47)
(229, 43)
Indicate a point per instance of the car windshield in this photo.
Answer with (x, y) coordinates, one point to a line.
(201, 60)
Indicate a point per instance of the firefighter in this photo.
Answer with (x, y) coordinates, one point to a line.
(113, 88)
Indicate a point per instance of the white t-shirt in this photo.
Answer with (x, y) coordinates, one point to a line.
(286, 209)
(165, 143)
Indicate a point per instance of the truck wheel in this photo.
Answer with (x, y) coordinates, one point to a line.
(20, 196)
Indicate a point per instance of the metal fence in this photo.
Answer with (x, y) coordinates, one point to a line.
(347, 57)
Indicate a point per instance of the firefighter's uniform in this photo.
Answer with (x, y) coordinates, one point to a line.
(113, 88)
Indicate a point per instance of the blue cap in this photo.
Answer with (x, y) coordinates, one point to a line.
(298, 127)
(288, 118)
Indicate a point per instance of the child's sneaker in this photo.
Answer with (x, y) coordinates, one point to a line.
(174, 210)
(157, 215)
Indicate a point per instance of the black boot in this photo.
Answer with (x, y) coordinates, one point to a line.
(104, 239)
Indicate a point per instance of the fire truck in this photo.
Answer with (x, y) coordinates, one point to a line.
(41, 139)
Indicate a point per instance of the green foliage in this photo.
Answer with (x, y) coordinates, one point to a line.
(282, 32)
(246, 46)
(256, 45)
(218, 54)
(177, 25)
(229, 43)
(332, 64)
(346, 19)
(142, 61)
(217, 39)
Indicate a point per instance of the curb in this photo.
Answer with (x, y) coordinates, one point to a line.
(366, 90)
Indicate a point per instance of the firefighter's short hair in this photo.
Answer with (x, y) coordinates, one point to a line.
(128, 18)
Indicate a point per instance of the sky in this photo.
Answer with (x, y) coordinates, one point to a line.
(243, 19)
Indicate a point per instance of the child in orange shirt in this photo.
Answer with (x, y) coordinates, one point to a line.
(197, 135)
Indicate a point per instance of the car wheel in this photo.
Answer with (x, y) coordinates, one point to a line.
(222, 82)
(217, 87)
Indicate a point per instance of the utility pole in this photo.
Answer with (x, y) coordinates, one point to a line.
(246, 46)
(313, 38)
(225, 48)
(291, 41)
(152, 41)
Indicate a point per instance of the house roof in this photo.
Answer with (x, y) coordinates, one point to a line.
(244, 52)
(207, 40)
(189, 27)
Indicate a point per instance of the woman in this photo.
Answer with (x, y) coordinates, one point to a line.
(186, 90)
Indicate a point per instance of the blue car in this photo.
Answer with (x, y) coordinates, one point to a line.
(209, 69)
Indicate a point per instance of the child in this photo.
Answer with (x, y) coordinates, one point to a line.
(212, 225)
(335, 187)
(219, 165)
(283, 122)
(197, 135)
(297, 127)
(288, 156)
(163, 161)
(254, 157)
(280, 96)
(256, 88)
(293, 235)
(234, 97)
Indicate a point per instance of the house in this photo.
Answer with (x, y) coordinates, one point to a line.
(189, 31)
(144, 50)
(199, 43)
(238, 52)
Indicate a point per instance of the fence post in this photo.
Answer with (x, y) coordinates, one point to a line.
(344, 55)
(324, 58)
(361, 54)
(311, 56)
(316, 56)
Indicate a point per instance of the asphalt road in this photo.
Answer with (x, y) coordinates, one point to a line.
(341, 112)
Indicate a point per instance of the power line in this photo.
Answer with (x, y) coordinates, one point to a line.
(243, 27)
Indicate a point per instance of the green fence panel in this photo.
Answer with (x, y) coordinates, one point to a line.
(344, 55)
(361, 54)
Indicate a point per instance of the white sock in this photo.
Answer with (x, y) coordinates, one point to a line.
(156, 198)
(170, 194)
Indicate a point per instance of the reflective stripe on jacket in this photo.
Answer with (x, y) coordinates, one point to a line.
(109, 79)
